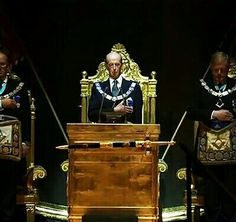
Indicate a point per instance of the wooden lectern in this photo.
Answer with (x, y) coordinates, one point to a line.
(113, 171)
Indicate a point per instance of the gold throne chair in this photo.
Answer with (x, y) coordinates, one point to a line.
(130, 71)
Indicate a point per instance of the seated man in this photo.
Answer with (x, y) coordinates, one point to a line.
(116, 99)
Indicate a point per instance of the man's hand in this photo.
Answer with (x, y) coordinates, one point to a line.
(122, 108)
(222, 115)
(8, 103)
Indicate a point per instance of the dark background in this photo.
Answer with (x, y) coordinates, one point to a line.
(55, 40)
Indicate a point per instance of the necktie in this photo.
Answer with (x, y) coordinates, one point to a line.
(220, 87)
(115, 90)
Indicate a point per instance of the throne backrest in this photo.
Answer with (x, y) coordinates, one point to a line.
(130, 71)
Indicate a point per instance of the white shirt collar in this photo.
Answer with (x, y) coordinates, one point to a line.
(5, 80)
(119, 81)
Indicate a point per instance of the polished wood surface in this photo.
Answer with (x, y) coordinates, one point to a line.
(113, 180)
(111, 132)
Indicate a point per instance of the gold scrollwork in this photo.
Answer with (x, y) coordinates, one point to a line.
(181, 174)
(65, 165)
(232, 69)
(162, 166)
(39, 172)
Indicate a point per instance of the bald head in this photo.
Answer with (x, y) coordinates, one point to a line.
(114, 64)
(113, 56)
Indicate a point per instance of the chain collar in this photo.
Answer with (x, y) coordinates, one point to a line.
(115, 98)
(14, 92)
(214, 93)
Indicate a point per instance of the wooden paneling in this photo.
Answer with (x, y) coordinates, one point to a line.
(113, 180)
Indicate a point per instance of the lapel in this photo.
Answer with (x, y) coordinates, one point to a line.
(8, 87)
(106, 86)
(125, 85)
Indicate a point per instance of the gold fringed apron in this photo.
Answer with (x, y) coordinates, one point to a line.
(217, 146)
(10, 138)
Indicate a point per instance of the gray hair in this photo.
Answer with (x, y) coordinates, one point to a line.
(219, 57)
(113, 55)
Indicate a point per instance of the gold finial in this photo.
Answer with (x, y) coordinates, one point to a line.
(153, 74)
(119, 48)
(84, 74)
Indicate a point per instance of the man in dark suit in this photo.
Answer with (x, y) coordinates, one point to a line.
(116, 99)
(214, 106)
(213, 101)
(14, 105)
